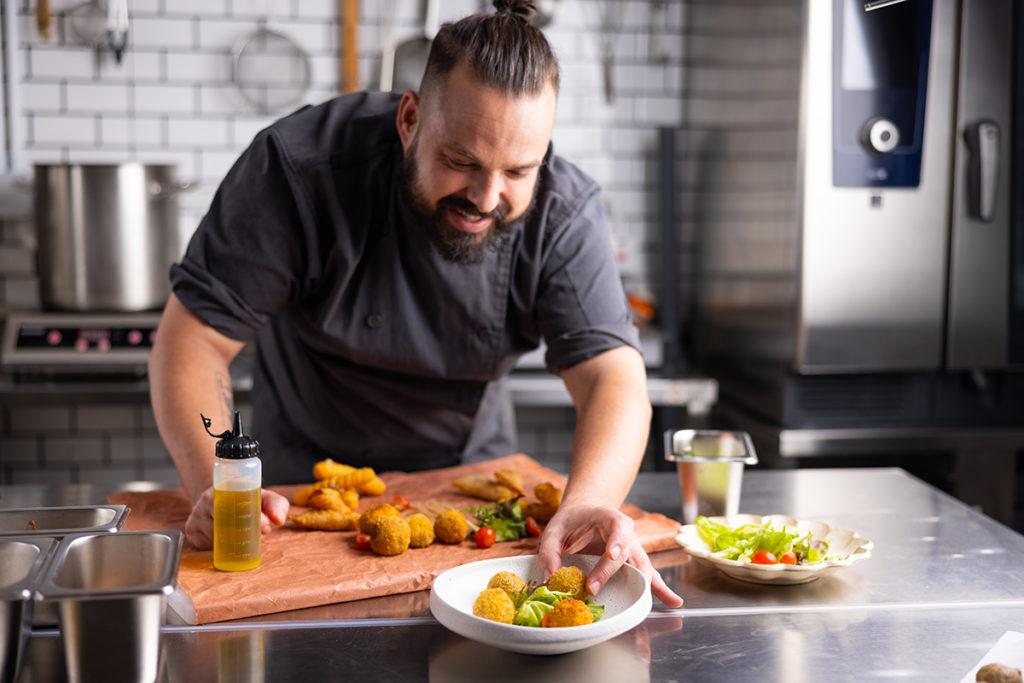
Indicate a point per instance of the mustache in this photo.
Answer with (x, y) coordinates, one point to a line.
(499, 213)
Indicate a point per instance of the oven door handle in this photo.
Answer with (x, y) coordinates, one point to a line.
(982, 138)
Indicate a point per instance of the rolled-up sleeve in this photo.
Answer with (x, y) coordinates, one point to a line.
(582, 309)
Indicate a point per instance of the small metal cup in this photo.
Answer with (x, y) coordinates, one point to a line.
(710, 466)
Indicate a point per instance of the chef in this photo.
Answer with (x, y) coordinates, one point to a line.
(391, 256)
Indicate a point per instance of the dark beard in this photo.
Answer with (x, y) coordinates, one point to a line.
(454, 245)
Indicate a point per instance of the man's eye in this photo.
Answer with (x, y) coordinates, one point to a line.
(454, 163)
(517, 174)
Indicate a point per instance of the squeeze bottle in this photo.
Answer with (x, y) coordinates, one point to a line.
(237, 479)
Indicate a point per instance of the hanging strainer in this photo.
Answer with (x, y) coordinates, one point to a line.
(271, 71)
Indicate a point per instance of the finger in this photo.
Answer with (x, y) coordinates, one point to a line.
(617, 551)
(661, 591)
(200, 535)
(275, 508)
(549, 552)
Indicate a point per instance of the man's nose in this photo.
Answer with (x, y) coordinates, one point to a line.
(485, 191)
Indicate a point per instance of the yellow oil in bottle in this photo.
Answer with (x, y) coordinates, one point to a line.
(236, 529)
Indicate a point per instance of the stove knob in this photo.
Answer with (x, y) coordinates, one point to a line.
(103, 344)
(81, 344)
(54, 337)
(134, 337)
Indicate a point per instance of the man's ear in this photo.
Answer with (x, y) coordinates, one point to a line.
(408, 118)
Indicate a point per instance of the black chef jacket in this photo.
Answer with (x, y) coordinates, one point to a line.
(370, 348)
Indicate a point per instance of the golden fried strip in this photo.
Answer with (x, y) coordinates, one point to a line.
(328, 469)
(352, 479)
(302, 497)
(511, 479)
(327, 520)
(482, 487)
(549, 494)
(328, 499)
(373, 487)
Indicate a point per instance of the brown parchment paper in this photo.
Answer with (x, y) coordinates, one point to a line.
(302, 568)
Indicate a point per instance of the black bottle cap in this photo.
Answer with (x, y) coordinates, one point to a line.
(233, 445)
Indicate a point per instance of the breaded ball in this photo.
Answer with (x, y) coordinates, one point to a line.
(508, 582)
(369, 520)
(451, 527)
(568, 580)
(570, 612)
(496, 605)
(422, 530)
(391, 536)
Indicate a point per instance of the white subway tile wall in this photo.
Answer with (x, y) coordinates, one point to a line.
(171, 99)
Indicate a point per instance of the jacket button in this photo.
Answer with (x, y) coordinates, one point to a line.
(374, 320)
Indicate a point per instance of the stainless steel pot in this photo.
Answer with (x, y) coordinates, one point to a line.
(107, 235)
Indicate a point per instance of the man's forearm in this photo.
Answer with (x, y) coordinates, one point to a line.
(613, 423)
(188, 375)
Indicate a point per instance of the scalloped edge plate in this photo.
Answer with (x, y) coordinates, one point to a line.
(626, 598)
(843, 543)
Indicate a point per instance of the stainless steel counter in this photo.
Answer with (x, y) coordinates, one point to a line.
(942, 585)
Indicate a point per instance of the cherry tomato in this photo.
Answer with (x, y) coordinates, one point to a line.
(363, 541)
(545, 621)
(764, 557)
(400, 503)
(484, 537)
(532, 527)
(788, 558)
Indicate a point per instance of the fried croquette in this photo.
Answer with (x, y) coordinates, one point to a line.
(570, 612)
(451, 527)
(496, 605)
(421, 529)
(548, 493)
(391, 536)
(327, 520)
(373, 515)
(507, 581)
(568, 580)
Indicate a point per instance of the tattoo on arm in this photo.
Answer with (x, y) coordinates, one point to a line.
(227, 397)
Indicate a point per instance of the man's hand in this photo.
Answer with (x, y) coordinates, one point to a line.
(199, 525)
(594, 529)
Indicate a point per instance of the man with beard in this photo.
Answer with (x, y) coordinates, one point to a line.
(391, 258)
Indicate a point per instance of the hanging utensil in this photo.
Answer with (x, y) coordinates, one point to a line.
(117, 27)
(89, 24)
(349, 46)
(410, 59)
(270, 70)
(610, 13)
(44, 18)
(386, 35)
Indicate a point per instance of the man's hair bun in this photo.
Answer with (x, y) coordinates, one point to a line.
(522, 9)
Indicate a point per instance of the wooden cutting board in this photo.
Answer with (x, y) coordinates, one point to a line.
(302, 568)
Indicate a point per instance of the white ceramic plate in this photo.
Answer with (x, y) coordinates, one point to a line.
(626, 599)
(845, 545)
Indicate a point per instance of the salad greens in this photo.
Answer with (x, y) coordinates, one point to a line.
(741, 543)
(505, 518)
(533, 605)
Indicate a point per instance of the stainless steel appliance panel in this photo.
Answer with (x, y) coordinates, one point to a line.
(979, 264)
(872, 293)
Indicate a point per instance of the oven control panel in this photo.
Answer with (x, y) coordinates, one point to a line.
(78, 342)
